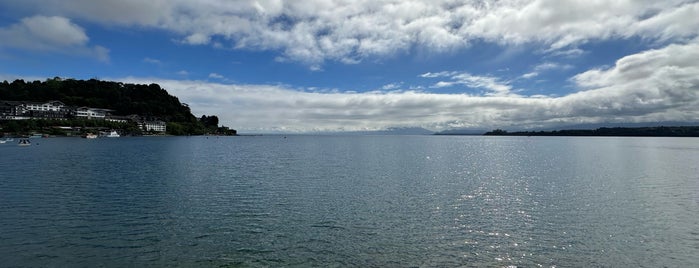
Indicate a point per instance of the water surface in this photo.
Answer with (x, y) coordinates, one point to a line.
(350, 201)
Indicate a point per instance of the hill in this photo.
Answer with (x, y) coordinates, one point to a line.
(148, 101)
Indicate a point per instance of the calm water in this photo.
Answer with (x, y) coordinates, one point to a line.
(350, 201)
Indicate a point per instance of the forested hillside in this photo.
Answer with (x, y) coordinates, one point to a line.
(124, 99)
(150, 101)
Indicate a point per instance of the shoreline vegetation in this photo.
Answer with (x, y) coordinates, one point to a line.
(662, 131)
(132, 104)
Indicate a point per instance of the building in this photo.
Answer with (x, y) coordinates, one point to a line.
(47, 110)
(153, 126)
(10, 110)
(20, 110)
(117, 119)
(24, 110)
(91, 113)
(51, 106)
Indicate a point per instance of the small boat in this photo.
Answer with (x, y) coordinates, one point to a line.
(112, 134)
(90, 136)
(24, 142)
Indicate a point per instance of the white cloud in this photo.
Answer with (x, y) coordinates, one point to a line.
(569, 53)
(391, 86)
(490, 83)
(41, 32)
(197, 39)
(660, 84)
(315, 31)
(655, 85)
(438, 74)
(216, 76)
(530, 75)
(545, 67)
(52, 34)
(152, 61)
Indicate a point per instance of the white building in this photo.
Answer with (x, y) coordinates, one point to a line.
(154, 126)
(117, 119)
(51, 106)
(19, 110)
(91, 113)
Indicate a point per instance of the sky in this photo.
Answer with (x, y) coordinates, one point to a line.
(359, 65)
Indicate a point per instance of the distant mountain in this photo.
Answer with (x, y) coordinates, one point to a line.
(406, 131)
(389, 131)
(462, 132)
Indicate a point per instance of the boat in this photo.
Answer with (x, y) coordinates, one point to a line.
(112, 134)
(89, 136)
(24, 142)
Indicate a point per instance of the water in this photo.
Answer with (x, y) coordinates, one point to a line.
(350, 201)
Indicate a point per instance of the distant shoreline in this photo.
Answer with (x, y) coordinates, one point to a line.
(677, 131)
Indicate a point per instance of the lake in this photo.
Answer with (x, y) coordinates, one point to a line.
(350, 201)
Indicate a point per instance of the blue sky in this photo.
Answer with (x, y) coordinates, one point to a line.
(323, 65)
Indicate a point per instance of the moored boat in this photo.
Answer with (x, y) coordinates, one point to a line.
(24, 142)
(113, 134)
(89, 136)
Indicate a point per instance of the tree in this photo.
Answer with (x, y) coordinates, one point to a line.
(209, 121)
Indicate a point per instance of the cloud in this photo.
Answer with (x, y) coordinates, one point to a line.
(545, 67)
(391, 86)
(651, 86)
(316, 31)
(530, 75)
(569, 53)
(152, 61)
(490, 83)
(562, 24)
(51, 34)
(438, 74)
(654, 85)
(216, 76)
(42, 33)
